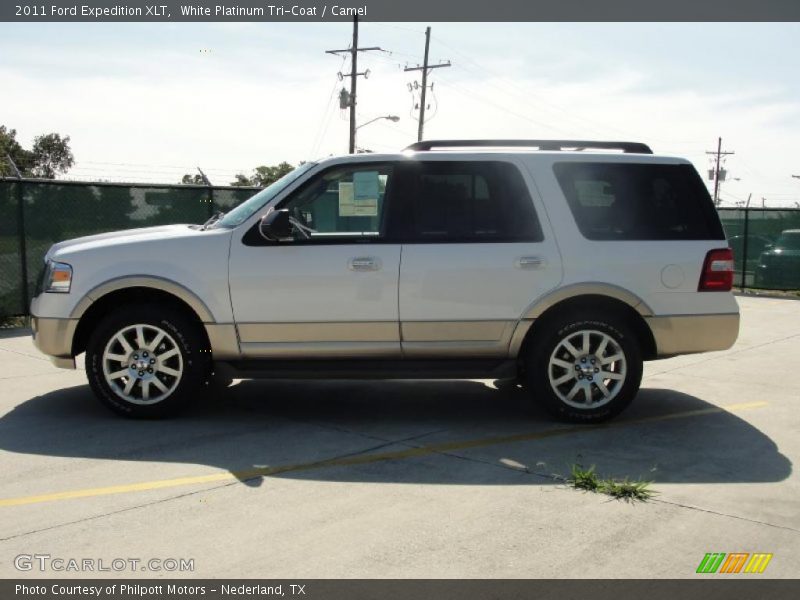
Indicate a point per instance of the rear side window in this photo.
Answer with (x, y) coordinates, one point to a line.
(628, 201)
(459, 201)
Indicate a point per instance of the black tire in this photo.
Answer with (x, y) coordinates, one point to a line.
(542, 348)
(189, 341)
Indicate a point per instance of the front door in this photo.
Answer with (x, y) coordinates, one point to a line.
(331, 292)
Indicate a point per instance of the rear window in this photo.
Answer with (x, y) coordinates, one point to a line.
(628, 201)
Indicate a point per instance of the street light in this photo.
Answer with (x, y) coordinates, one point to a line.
(392, 118)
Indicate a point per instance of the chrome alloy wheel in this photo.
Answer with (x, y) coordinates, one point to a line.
(587, 369)
(142, 364)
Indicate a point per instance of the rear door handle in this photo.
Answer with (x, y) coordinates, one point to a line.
(529, 262)
(364, 263)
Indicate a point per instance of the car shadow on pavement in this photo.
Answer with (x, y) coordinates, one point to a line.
(429, 432)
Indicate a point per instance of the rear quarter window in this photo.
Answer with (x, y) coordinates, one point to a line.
(636, 201)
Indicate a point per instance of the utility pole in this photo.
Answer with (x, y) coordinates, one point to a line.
(719, 154)
(425, 68)
(353, 75)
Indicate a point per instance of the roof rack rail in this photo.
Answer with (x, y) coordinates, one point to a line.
(628, 147)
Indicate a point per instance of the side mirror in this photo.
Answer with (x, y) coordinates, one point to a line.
(276, 226)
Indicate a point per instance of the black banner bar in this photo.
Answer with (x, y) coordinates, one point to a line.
(399, 10)
(705, 587)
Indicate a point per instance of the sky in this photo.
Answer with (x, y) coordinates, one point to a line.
(150, 102)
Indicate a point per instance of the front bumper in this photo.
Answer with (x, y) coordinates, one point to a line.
(689, 334)
(54, 338)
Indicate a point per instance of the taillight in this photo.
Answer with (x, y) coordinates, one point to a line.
(717, 275)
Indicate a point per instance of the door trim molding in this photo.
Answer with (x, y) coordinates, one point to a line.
(303, 350)
(319, 332)
(456, 331)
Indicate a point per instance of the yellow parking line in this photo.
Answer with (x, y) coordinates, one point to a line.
(363, 458)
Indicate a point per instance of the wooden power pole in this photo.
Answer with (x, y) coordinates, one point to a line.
(425, 68)
(353, 75)
(719, 154)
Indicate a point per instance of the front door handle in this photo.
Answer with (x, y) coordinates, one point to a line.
(364, 263)
(529, 262)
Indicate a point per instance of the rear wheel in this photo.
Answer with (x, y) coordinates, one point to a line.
(584, 370)
(146, 361)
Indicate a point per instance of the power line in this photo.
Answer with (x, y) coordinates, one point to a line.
(473, 95)
(325, 121)
(425, 68)
(510, 88)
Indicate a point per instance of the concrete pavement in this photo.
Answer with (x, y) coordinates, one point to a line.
(409, 479)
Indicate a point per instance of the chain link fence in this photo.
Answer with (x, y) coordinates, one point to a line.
(34, 214)
(766, 246)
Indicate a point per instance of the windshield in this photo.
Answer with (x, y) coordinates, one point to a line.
(789, 240)
(252, 205)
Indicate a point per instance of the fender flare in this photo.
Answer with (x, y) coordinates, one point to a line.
(591, 288)
(143, 281)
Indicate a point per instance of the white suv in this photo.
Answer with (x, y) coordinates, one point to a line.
(562, 263)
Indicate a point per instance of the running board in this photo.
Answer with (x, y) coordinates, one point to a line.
(369, 369)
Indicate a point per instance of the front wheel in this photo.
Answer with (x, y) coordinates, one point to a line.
(146, 361)
(584, 370)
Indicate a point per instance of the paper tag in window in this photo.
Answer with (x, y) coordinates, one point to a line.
(346, 205)
(360, 198)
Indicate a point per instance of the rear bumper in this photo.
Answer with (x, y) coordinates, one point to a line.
(54, 338)
(689, 334)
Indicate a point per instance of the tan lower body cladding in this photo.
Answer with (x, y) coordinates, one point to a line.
(689, 334)
(674, 334)
(377, 339)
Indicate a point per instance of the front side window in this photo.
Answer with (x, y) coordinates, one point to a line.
(249, 207)
(346, 201)
(634, 201)
(466, 201)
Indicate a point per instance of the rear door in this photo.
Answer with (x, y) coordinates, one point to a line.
(475, 255)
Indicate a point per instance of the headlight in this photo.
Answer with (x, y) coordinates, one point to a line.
(57, 277)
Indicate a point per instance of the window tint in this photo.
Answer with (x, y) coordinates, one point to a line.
(789, 240)
(465, 202)
(342, 201)
(626, 201)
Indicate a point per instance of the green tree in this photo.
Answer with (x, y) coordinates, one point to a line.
(11, 147)
(263, 176)
(190, 179)
(49, 155)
